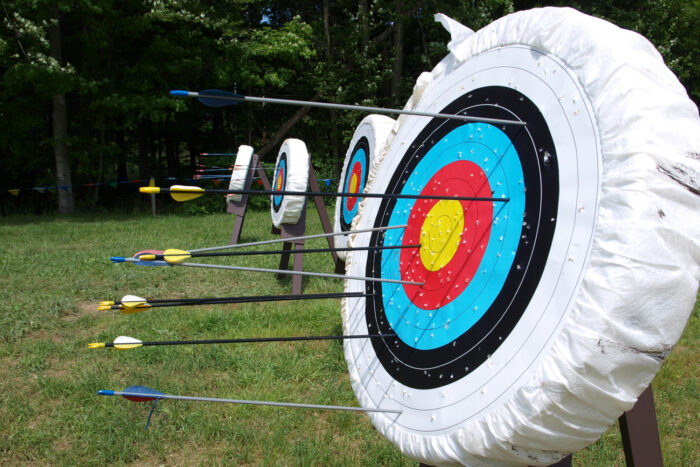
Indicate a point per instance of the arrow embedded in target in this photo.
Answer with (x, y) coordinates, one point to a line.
(220, 98)
(133, 304)
(146, 394)
(185, 193)
(139, 261)
(128, 343)
(174, 256)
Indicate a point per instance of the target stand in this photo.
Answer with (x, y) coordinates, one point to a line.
(299, 229)
(238, 208)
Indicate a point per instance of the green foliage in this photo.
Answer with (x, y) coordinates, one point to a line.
(121, 58)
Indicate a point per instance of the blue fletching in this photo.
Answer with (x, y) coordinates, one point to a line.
(105, 392)
(178, 92)
(143, 390)
(117, 259)
(214, 102)
(151, 263)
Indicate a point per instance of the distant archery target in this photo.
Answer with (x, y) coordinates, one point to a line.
(291, 174)
(516, 348)
(368, 140)
(241, 172)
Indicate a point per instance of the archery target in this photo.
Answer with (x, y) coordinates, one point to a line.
(368, 140)
(291, 174)
(240, 172)
(539, 319)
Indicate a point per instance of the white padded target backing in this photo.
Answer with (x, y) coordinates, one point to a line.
(621, 274)
(368, 140)
(240, 172)
(291, 174)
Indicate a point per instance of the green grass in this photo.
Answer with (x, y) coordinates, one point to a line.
(55, 270)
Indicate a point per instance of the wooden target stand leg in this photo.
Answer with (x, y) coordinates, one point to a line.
(640, 435)
(239, 208)
(298, 229)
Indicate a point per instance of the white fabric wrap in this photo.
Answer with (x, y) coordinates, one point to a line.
(641, 280)
(297, 180)
(376, 128)
(241, 169)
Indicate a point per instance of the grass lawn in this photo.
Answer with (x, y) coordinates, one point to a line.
(54, 271)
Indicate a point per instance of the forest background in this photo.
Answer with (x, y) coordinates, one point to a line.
(84, 98)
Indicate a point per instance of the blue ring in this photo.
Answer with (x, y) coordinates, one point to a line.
(430, 329)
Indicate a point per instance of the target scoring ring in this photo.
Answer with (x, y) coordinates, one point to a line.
(354, 182)
(280, 181)
(493, 370)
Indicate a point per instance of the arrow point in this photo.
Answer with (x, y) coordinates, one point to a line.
(117, 259)
(104, 308)
(96, 345)
(179, 92)
(105, 392)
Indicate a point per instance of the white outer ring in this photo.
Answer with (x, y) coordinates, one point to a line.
(297, 180)
(376, 128)
(240, 172)
(598, 352)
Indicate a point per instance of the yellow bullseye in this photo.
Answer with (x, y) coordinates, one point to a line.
(440, 234)
(353, 183)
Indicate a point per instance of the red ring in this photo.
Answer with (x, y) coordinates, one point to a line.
(460, 178)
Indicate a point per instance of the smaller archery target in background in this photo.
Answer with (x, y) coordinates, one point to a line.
(291, 174)
(367, 142)
(240, 172)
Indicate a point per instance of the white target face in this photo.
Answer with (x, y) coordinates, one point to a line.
(368, 140)
(241, 171)
(456, 384)
(291, 174)
(546, 300)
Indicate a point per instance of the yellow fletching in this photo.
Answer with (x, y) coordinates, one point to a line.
(174, 256)
(149, 189)
(126, 346)
(152, 182)
(136, 308)
(96, 345)
(185, 193)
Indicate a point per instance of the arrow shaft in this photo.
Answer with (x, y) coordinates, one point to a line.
(337, 194)
(305, 250)
(289, 271)
(259, 340)
(363, 108)
(248, 299)
(294, 239)
(251, 402)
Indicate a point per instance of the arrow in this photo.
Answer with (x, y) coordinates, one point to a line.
(146, 394)
(128, 343)
(185, 193)
(280, 240)
(174, 256)
(220, 98)
(133, 304)
(138, 261)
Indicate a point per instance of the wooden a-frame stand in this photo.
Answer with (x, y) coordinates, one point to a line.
(298, 229)
(640, 435)
(238, 208)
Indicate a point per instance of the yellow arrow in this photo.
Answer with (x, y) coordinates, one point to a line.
(177, 192)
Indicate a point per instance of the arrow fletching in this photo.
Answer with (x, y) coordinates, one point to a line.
(175, 256)
(208, 97)
(126, 343)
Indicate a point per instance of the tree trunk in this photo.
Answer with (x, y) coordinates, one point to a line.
(397, 68)
(66, 202)
(333, 115)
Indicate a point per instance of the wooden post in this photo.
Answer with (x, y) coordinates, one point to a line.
(239, 208)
